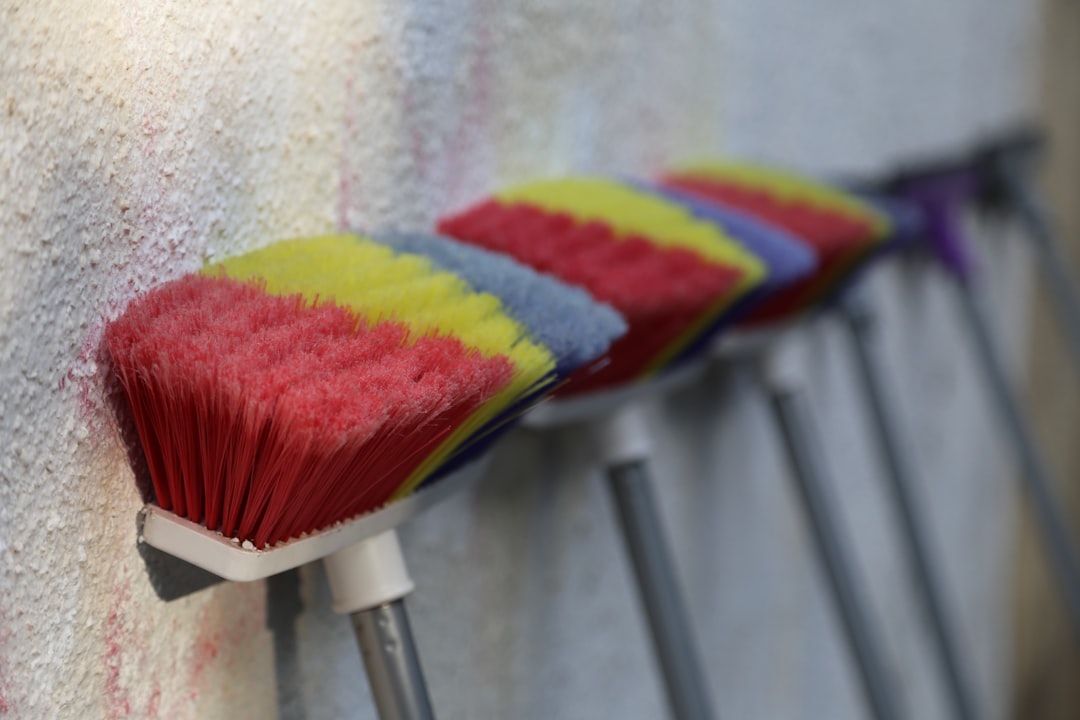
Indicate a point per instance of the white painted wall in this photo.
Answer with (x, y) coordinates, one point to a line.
(140, 140)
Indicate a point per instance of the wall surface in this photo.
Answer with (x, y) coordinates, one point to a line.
(1047, 661)
(141, 140)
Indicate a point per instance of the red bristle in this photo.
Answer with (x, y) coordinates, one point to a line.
(826, 230)
(661, 291)
(266, 418)
(838, 239)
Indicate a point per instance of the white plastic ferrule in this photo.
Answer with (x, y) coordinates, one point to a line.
(782, 365)
(367, 574)
(624, 435)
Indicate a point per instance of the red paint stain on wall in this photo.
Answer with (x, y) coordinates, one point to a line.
(154, 703)
(207, 646)
(6, 705)
(117, 637)
(203, 654)
(124, 647)
(5, 634)
(473, 126)
(116, 698)
(88, 375)
(225, 627)
(346, 188)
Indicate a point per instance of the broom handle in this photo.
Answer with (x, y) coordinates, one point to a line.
(944, 229)
(392, 663)
(859, 320)
(1048, 508)
(631, 489)
(794, 419)
(1052, 258)
(659, 592)
(369, 582)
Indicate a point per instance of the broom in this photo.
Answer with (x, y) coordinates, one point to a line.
(844, 233)
(674, 278)
(290, 401)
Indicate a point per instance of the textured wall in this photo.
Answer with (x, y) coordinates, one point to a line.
(140, 140)
(1047, 661)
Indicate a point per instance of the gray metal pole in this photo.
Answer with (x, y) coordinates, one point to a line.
(658, 587)
(1052, 258)
(1049, 513)
(393, 666)
(859, 320)
(793, 416)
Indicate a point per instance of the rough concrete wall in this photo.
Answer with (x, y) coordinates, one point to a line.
(1047, 659)
(838, 85)
(141, 141)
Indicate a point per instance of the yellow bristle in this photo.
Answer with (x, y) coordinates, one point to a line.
(628, 212)
(633, 212)
(379, 284)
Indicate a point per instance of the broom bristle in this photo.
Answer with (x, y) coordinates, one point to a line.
(562, 317)
(839, 229)
(377, 283)
(670, 275)
(786, 258)
(660, 291)
(265, 417)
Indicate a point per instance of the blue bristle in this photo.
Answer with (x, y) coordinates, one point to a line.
(905, 226)
(905, 219)
(566, 319)
(786, 259)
